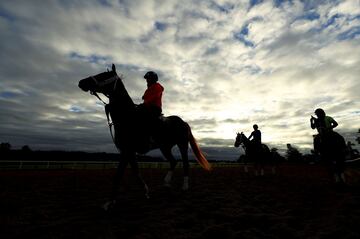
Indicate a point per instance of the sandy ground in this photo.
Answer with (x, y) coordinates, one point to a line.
(299, 202)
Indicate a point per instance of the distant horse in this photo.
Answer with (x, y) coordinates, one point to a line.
(332, 149)
(258, 155)
(129, 136)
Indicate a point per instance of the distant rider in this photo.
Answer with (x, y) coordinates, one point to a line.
(256, 137)
(324, 125)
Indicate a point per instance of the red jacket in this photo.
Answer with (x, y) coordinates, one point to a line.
(153, 95)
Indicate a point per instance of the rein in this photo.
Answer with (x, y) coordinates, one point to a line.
(107, 105)
(94, 93)
(107, 112)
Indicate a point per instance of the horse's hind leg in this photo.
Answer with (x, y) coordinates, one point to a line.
(339, 170)
(246, 170)
(273, 169)
(256, 167)
(168, 155)
(184, 155)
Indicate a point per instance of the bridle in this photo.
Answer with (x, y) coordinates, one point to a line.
(106, 105)
(239, 139)
(105, 82)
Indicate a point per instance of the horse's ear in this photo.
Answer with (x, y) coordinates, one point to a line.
(113, 67)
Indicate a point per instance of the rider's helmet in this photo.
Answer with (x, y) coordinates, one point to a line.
(151, 76)
(320, 113)
(255, 126)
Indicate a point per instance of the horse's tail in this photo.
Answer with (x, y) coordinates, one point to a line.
(197, 151)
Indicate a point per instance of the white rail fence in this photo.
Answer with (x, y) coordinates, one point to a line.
(73, 165)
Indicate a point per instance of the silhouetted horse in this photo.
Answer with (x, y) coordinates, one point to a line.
(129, 138)
(332, 149)
(256, 154)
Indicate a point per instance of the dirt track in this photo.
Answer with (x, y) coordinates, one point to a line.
(301, 202)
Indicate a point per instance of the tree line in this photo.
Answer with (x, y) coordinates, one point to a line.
(26, 153)
(292, 154)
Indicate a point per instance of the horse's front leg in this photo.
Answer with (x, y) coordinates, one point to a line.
(116, 183)
(135, 169)
(168, 155)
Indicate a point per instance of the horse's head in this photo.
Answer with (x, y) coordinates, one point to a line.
(239, 139)
(100, 83)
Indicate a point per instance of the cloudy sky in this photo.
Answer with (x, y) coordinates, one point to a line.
(225, 65)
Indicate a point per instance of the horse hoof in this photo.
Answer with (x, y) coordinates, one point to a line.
(185, 188)
(109, 205)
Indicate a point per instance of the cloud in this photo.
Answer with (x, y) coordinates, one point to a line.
(225, 65)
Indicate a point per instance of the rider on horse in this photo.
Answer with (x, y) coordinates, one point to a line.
(329, 144)
(150, 110)
(153, 94)
(324, 125)
(256, 134)
(256, 138)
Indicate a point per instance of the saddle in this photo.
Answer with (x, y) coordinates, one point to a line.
(143, 126)
(150, 132)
